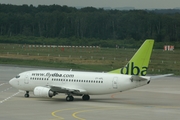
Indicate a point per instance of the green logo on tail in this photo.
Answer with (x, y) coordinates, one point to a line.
(138, 64)
(131, 69)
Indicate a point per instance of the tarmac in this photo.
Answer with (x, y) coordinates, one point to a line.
(160, 100)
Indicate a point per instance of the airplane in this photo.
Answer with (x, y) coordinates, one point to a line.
(49, 83)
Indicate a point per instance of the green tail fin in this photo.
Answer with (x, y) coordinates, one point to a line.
(138, 64)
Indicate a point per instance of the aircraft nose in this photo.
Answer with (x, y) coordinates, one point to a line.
(12, 82)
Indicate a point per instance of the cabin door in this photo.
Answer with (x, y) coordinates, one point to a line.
(26, 79)
(115, 83)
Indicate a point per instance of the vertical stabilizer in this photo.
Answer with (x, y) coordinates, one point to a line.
(138, 64)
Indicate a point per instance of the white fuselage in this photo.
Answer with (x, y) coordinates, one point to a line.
(92, 83)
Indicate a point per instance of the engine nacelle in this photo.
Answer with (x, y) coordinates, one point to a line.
(43, 92)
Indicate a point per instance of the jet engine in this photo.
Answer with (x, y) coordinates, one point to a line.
(43, 92)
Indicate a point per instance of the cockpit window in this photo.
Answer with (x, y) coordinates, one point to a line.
(18, 76)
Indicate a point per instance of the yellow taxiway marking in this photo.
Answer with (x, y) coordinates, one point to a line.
(88, 109)
(115, 108)
(61, 118)
(130, 105)
(82, 111)
(74, 114)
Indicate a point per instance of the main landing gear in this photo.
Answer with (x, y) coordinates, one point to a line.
(71, 98)
(85, 97)
(27, 94)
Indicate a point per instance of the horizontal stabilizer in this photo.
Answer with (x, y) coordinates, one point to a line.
(139, 78)
(160, 76)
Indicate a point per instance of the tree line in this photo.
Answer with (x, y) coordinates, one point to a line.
(63, 22)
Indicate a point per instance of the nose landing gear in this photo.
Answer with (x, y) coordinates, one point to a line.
(27, 94)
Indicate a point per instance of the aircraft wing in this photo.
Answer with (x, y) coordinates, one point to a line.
(66, 89)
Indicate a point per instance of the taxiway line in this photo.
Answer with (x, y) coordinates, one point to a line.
(9, 97)
(2, 84)
(68, 109)
(6, 89)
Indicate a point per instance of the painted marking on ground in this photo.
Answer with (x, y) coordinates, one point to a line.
(89, 109)
(6, 90)
(68, 109)
(83, 111)
(2, 84)
(9, 97)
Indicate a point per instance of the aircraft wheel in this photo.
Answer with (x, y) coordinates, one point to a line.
(69, 98)
(26, 95)
(85, 97)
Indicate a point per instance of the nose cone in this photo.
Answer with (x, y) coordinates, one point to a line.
(12, 82)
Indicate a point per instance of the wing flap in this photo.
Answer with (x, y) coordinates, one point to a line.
(66, 89)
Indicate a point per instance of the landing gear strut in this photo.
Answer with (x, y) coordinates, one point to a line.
(69, 98)
(27, 94)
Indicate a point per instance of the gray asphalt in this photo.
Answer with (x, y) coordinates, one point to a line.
(160, 100)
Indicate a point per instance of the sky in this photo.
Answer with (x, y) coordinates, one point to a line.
(138, 4)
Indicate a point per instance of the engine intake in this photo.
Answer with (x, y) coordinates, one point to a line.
(43, 92)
